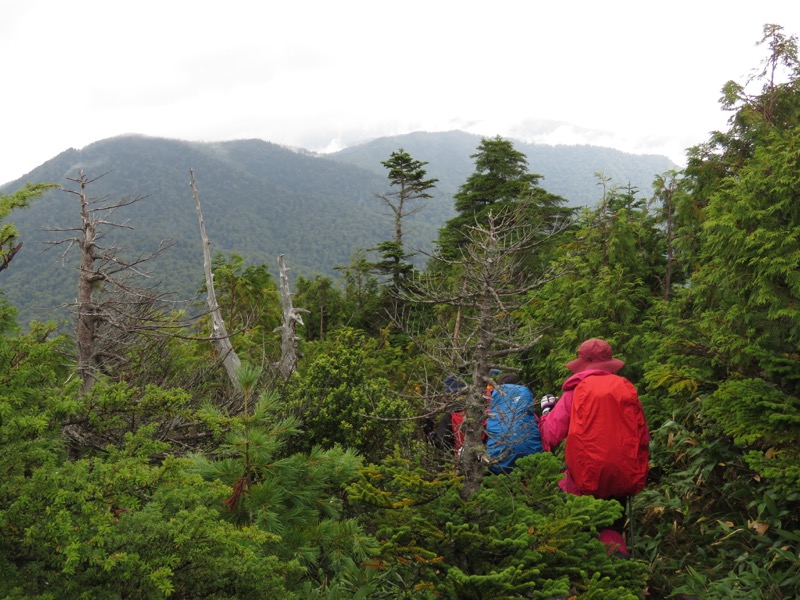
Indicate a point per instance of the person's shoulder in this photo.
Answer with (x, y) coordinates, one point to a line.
(576, 378)
(516, 387)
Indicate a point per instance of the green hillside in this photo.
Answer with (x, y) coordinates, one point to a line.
(568, 171)
(261, 200)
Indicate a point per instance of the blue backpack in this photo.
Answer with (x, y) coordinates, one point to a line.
(512, 427)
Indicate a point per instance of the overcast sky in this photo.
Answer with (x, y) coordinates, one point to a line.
(642, 76)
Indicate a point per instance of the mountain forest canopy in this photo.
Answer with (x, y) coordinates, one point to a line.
(134, 466)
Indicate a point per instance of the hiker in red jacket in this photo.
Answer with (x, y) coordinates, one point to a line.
(595, 360)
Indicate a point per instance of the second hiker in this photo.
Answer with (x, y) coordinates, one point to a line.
(512, 429)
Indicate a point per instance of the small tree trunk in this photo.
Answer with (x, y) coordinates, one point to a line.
(472, 458)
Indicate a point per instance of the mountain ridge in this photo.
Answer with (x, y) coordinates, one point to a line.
(259, 200)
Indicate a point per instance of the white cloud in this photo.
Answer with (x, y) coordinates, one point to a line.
(320, 74)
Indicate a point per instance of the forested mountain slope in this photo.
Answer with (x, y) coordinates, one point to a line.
(258, 199)
(568, 171)
(261, 200)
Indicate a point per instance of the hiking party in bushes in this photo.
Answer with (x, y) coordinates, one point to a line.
(598, 417)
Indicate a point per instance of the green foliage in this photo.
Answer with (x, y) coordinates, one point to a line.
(117, 526)
(325, 304)
(519, 537)
(8, 233)
(294, 498)
(339, 401)
(777, 415)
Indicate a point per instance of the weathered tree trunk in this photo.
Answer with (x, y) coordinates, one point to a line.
(291, 318)
(87, 311)
(219, 335)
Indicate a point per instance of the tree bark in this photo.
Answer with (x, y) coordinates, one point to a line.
(87, 317)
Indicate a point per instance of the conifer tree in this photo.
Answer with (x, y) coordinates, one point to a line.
(8, 233)
(501, 175)
(407, 177)
(725, 373)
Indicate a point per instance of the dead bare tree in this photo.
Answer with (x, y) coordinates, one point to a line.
(108, 289)
(112, 308)
(219, 334)
(483, 330)
(288, 329)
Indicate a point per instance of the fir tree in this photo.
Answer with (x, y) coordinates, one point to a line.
(409, 185)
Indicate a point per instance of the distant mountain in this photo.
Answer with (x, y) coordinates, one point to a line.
(568, 171)
(261, 200)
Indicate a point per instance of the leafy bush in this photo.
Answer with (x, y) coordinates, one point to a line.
(341, 398)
